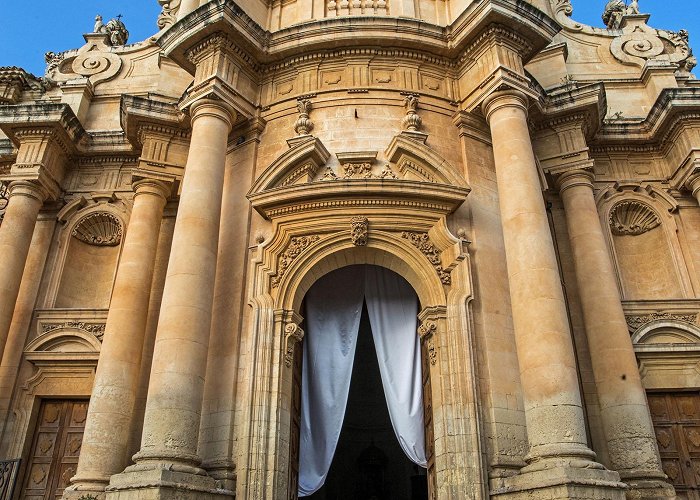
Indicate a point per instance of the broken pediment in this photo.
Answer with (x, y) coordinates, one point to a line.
(306, 178)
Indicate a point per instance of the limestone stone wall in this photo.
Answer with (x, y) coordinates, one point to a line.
(170, 202)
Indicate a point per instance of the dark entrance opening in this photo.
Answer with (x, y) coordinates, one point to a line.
(368, 463)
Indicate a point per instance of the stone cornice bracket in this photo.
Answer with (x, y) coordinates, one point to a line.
(161, 131)
(46, 136)
(303, 126)
(216, 76)
(293, 335)
(495, 61)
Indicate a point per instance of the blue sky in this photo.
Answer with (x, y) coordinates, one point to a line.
(29, 28)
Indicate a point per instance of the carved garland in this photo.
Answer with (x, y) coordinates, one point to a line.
(99, 229)
(96, 329)
(635, 322)
(296, 246)
(422, 242)
(632, 218)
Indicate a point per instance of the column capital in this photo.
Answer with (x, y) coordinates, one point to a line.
(693, 183)
(213, 106)
(578, 177)
(155, 187)
(510, 98)
(31, 189)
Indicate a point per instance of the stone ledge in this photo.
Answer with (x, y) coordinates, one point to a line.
(164, 484)
(560, 484)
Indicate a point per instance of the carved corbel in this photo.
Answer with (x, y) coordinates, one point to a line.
(426, 332)
(293, 335)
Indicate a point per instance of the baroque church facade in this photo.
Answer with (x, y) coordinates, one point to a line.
(170, 206)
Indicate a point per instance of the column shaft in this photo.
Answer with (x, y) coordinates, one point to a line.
(111, 407)
(623, 406)
(553, 410)
(16, 232)
(174, 404)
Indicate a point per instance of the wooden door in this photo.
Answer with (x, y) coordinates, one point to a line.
(428, 420)
(296, 423)
(53, 459)
(676, 417)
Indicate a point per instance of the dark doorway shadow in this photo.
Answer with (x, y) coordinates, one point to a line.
(368, 463)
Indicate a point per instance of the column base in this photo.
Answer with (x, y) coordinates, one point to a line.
(163, 484)
(650, 490)
(86, 489)
(561, 483)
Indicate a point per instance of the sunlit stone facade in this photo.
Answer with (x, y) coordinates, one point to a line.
(170, 202)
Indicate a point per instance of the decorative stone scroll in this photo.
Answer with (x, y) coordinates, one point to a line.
(296, 246)
(635, 322)
(427, 331)
(292, 336)
(168, 16)
(359, 231)
(99, 229)
(632, 218)
(422, 242)
(96, 329)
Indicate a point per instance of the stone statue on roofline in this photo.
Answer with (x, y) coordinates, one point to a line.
(115, 28)
(615, 10)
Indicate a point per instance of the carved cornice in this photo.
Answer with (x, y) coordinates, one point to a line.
(19, 120)
(96, 329)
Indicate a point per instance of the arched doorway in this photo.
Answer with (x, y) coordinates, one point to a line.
(375, 452)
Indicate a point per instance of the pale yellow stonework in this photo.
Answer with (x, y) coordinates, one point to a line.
(170, 202)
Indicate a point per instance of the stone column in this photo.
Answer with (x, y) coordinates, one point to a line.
(25, 201)
(624, 411)
(109, 420)
(174, 403)
(553, 410)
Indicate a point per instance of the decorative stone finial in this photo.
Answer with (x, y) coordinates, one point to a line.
(303, 125)
(411, 121)
(118, 34)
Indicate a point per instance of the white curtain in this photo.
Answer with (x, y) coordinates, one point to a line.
(333, 309)
(332, 322)
(392, 306)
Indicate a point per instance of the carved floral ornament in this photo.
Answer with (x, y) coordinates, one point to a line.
(632, 218)
(296, 246)
(99, 229)
(422, 242)
(635, 322)
(359, 232)
(427, 331)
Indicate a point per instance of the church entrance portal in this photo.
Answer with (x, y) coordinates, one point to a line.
(368, 462)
